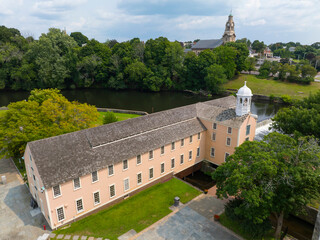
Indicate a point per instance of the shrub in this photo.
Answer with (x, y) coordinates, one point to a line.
(287, 99)
(272, 97)
(110, 117)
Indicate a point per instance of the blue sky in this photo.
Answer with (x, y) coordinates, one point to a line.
(182, 20)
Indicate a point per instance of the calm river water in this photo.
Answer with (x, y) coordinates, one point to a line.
(135, 100)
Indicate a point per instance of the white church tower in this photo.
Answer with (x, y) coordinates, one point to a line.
(243, 100)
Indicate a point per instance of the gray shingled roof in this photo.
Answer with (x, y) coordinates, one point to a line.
(62, 158)
(207, 44)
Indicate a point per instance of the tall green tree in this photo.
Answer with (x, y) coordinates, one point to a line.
(79, 38)
(276, 176)
(46, 113)
(242, 54)
(53, 58)
(258, 46)
(215, 78)
(226, 57)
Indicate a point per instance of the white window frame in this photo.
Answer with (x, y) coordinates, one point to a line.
(152, 173)
(214, 152)
(151, 155)
(74, 187)
(229, 141)
(125, 169)
(162, 153)
(124, 184)
(110, 175)
(94, 201)
(198, 151)
(230, 130)
(64, 215)
(56, 196)
(191, 139)
(248, 133)
(225, 155)
(174, 163)
(199, 136)
(181, 158)
(139, 173)
(140, 159)
(92, 177)
(182, 142)
(164, 169)
(215, 136)
(77, 205)
(114, 185)
(214, 126)
(173, 146)
(190, 155)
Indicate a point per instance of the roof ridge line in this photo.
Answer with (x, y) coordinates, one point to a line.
(152, 130)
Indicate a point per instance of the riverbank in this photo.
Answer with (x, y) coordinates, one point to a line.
(274, 88)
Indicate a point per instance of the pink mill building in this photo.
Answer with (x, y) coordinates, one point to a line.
(72, 175)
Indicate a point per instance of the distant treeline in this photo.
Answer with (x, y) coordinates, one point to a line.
(58, 60)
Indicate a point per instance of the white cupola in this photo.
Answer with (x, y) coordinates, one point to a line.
(243, 100)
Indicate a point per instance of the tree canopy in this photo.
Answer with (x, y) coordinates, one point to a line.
(46, 113)
(276, 176)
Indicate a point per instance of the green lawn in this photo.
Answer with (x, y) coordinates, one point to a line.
(234, 226)
(120, 116)
(277, 88)
(136, 212)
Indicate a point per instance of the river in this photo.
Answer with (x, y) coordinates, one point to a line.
(135, 100)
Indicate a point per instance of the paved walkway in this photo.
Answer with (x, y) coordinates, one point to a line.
(194, 221)
(16, 221)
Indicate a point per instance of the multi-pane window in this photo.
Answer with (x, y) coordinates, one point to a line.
(94, 176)
(248, 130)
(162, 150)
(151, 154)
(213, 136)
(181, 159)
(96, 198)
(139, 178)
(60, 214)
(56, 191)
(199, 136)
(76, 183)
(190, 155)
(138, 159)
(190, 139)
(230, 130)
(182, 142)
(79, 204)
(126, 184)
(110, 170)
(112, 189)
(198, 152)
(214, 126)
(228, 141)
(226, 156)
(162, 167)
(212, 152)
(125, 164)
(172, 163)
(173, 146)
(151, 173)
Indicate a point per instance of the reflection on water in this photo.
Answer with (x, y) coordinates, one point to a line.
(135, 100)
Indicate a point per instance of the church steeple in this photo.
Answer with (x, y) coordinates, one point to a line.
(229, 34)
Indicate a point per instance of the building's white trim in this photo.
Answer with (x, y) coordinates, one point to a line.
(54, 197)
(164, 168)
(152, 172)
(174, 161)
(137, 160)
(64, 214)
(48, 208)
(115, 192)
(124, 186)
(182, 159)
(112, 170)
(97, 177)
(94, 203)
(141, 178)
(75, 189)
(125, 169)
(238, 141)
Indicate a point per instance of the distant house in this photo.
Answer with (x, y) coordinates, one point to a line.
(228, 36)
(268, 53)
(75, 174)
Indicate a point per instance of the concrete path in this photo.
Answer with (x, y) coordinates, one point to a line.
(16, 221)
(194, 221)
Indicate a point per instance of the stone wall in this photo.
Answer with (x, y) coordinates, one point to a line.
(316, 231)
